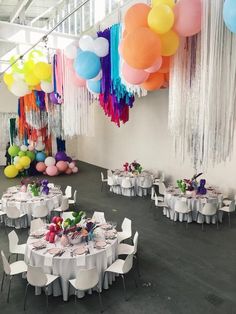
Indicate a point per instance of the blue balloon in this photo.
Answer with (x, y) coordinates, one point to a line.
(229, 14)
(94, 86)
(40, 156)
(87, 65)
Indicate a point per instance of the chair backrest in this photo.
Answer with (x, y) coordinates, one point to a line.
(36, 276)
(135, 242)
(66, 215)
(181, 206)
(64, 204)
(232, 206)
(99, 217)
(128, 264)
(209, 209)
(75, 196)
(87, 279)
(109, 173)
(145, 182)
(162, 188)
(126, 226)
(126, 183)
(36, 224)
(6, 265)
(68, 191)
(162, 177)
(40, 211)
(110, 181)
(102, 176)
(13, 212)
(13, 241)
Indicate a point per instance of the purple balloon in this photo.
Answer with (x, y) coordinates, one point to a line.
(54, 99)
(61, 156)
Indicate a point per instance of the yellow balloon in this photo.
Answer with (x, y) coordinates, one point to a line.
(43, 71)
(161, 19)
(169, 43)
(11, 171)
(8, 79)
(170, 3)
(25, 161)
(31, 79)
(29, 66)
(35, 54)
(19, 166)
(17, 67)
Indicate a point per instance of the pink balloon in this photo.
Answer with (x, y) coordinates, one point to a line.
(62, 165)
(78, 81)
(31, 148)
(40, 166)
(187, 17)
(68, 171)
(71, 165)
(155, 67)
(52, 171)
(75, 170)
(134, 76)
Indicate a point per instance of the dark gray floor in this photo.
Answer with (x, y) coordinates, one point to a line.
(182, 271)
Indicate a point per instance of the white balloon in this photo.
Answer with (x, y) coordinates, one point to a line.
(19, 88)
(16, 159)
(70, 51)
(47, 87)
(101, 47)
(39, 147)
(23, 148)
(98, 77)
(50, 161)
(86, 43)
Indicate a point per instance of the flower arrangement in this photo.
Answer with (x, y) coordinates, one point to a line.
(192, 185)
(133, 167)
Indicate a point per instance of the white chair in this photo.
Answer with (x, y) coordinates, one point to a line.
(209, 209)
(113, 185)
(127, 186)
(230, 208)
(126, 232)
(161, 203)
(2, 215)
(103, 180)
(87, 279)
(64, 206)
(109, 173)
(37, 278)
(181, 207)
(14, 213)
(40, 211)
(162, 188)
(11, 270)
(14, 247)
(145, 183)
(73, 201)
(99, 217)
(68, 191)
(127, 249)
(121, 267)
(36, 224)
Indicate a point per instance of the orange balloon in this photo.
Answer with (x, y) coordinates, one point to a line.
(125, 33)
(166, 80)
(165, 66)
(141, 48)
(155, 81)
(136, 16)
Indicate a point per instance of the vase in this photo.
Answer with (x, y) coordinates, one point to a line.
(64, 240)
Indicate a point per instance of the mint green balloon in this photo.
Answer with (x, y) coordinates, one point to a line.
(31, 155)
(21, 154)
(13, 150)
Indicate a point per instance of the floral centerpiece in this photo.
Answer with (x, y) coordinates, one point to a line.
(192, 185)
(133, 167)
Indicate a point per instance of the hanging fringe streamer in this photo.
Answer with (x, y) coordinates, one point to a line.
(6, 132)
(202, 101)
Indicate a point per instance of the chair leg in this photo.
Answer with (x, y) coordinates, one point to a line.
(101, 186)
(75, 296)
(17, 256)
(3, 277)
(137, 265)
(123, 279)
(9, 258)
(25, 298)
(100, 300)
(229, 220)
(9, 289)
(46, 292)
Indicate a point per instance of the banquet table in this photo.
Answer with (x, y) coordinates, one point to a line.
(195, 203)
(136, 179)
(26, 203)
(68, 265)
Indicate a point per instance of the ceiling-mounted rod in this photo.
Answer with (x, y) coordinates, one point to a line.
(45, 36)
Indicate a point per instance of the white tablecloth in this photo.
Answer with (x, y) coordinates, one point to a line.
(67, 267)
(194, 203)
(137, 181)
(26, 202)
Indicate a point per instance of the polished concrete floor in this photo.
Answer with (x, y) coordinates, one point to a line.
(182, 272)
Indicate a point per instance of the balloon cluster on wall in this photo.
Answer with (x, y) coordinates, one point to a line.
(229, 14)
(30, 74)
(34, 156)
(151, 37)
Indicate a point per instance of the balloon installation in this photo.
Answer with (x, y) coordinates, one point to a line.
(151, 36)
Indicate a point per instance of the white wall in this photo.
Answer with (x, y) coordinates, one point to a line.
(146, 138)
(8, 102)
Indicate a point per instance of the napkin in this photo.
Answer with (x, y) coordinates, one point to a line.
(81, 260)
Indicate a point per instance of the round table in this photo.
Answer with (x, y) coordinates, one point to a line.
(137, 180)
(194, 202)
(26, 202)
(67, 266)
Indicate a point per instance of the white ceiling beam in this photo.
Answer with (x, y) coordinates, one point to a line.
(41, 15)
(21, 4)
